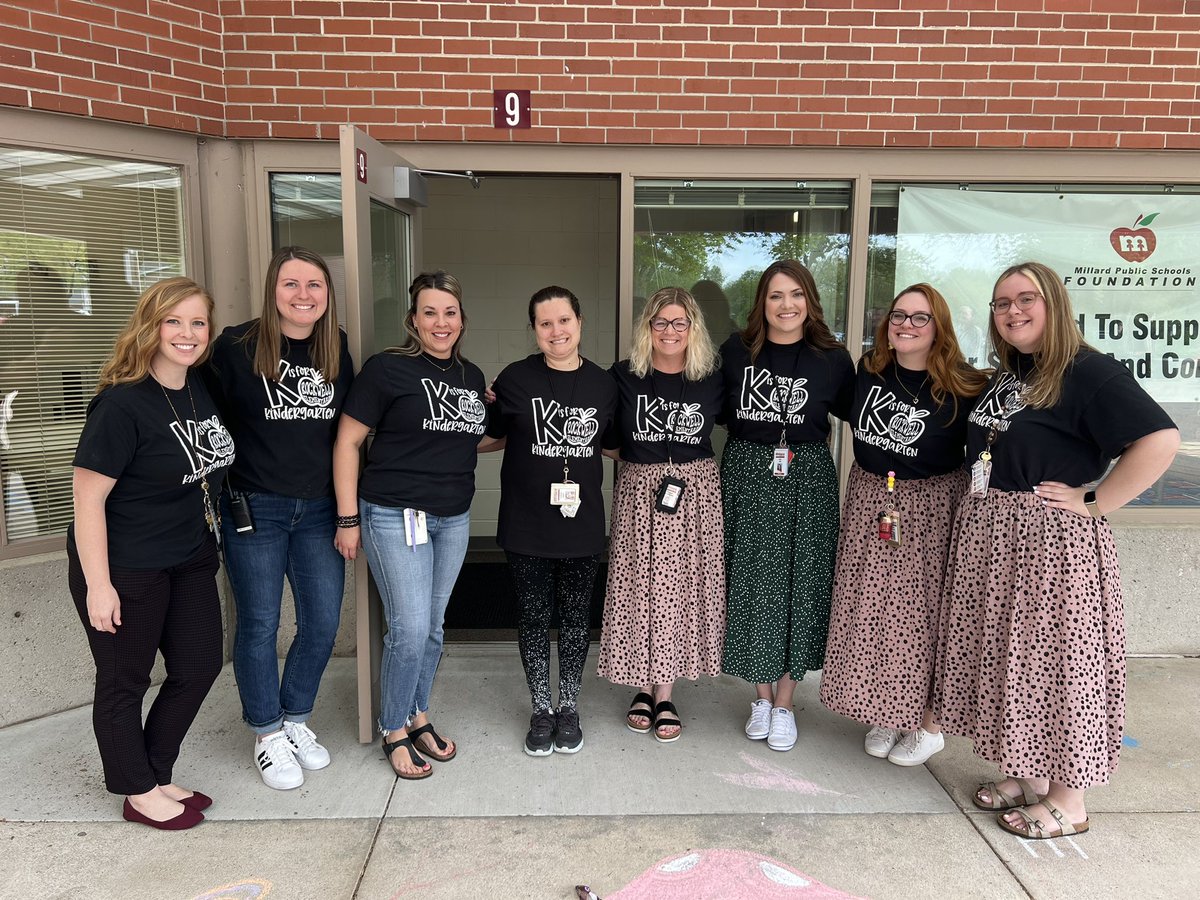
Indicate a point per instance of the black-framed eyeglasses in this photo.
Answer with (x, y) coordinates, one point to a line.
(918, 319)
(1023, 301)
(679, 325)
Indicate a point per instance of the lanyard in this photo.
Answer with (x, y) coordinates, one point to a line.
(782, 401)
(672, 418)
(574, 384)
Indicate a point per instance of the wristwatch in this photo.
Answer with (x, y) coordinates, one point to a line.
(1089, 500)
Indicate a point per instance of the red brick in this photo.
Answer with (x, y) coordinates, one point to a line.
(120, 112)
(76, 106)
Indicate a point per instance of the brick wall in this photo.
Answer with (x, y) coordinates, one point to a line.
(867, 73)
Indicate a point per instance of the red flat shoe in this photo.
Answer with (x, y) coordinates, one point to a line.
(185, 820)
(198, 801)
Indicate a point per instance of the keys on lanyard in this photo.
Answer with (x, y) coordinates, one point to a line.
(981, 469)
(889, 519)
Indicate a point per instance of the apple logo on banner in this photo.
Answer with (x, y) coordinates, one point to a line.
(1137, 243)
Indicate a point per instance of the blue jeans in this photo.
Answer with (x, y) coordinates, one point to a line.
(415, 584)
(294, 538)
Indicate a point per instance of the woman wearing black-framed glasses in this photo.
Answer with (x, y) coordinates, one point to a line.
(664, 609)
(913, 392)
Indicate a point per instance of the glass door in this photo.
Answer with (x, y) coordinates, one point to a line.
(381, 193)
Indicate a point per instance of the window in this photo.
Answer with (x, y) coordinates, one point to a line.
(715, 238)
(80, 238)
(1126, 253)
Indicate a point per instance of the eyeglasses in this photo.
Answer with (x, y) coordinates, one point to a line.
(1023, 301)
(919, 319)
(676, 324)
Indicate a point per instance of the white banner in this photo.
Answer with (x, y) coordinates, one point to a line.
(1129, 261)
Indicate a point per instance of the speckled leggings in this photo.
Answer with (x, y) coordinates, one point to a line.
(541, 584)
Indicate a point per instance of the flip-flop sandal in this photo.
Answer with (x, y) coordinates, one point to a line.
(1033, 830)
(666, 716)
(1001, 800)
(640, 700)
(440, 755)
(413, 757)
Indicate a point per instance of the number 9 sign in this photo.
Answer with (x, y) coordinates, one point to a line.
(510, 109)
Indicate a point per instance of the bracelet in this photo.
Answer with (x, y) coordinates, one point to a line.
(349, 521)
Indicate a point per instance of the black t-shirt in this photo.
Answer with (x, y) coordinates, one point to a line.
(428, 424)
(546, 415)
(899, 427)
(663, 414)
(284, 429)
(155, 511)
(1102, 411)
(812, 383)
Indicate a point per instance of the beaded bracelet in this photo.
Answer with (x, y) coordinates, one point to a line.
(349, 521)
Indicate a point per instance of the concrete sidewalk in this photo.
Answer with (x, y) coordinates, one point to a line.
(712, 815)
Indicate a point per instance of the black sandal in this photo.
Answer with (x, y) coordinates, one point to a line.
(413, 757)
(666, 716)
(639, 700)
(440, 755)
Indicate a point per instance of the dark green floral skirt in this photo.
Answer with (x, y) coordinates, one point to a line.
(780, 546)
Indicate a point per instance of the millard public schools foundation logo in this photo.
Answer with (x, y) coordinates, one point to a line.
(1137, 243)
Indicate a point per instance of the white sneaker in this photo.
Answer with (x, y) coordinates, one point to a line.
(758, 726)
(305, 748)
(276, 764)
(880, 741)
(783, 729)
(916, 747)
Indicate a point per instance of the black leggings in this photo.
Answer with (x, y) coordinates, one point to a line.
(541, 584)
(174, 610)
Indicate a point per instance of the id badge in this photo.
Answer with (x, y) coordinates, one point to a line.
(670, 492)
(780, 461)
(981, 474)
(564, 493)
(889, 528)
(416, 531)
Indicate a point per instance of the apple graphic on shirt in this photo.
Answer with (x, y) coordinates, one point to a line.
(906, 427)
(471, 407)
(580, 428)
(686, 420)
(315, 391)
(797, 396)
(219, 440)
(1137, 243)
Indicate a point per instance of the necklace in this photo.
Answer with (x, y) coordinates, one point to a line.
(914, 396)
(429, 359)
(211, 517)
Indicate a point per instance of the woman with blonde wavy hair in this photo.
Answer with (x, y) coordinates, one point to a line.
(1031, 652)
(142, 553)
(912, 394)
(664, 612)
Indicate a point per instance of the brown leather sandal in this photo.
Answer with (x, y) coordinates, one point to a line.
(1001, 800)
(1034, 830)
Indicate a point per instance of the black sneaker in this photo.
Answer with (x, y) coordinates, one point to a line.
(540, 739)
(568, 736)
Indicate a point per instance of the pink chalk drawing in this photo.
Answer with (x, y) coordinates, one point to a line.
(251, 889)
(770, 777)
(722, 875)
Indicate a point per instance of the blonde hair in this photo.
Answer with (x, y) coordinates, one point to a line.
(1061, 338)
(325, 351)
(138, 342)
(700, 356)
(949, 371)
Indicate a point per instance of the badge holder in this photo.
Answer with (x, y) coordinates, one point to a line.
(782, 458)
(981, 469)
(416, 530)
(565, 495)
(889, 519)
(670, 491)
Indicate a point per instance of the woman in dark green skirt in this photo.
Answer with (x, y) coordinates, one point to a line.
(785, 374)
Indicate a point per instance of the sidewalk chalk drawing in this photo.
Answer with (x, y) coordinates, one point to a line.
(770, 777)
(251, 889)
(722, 875)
